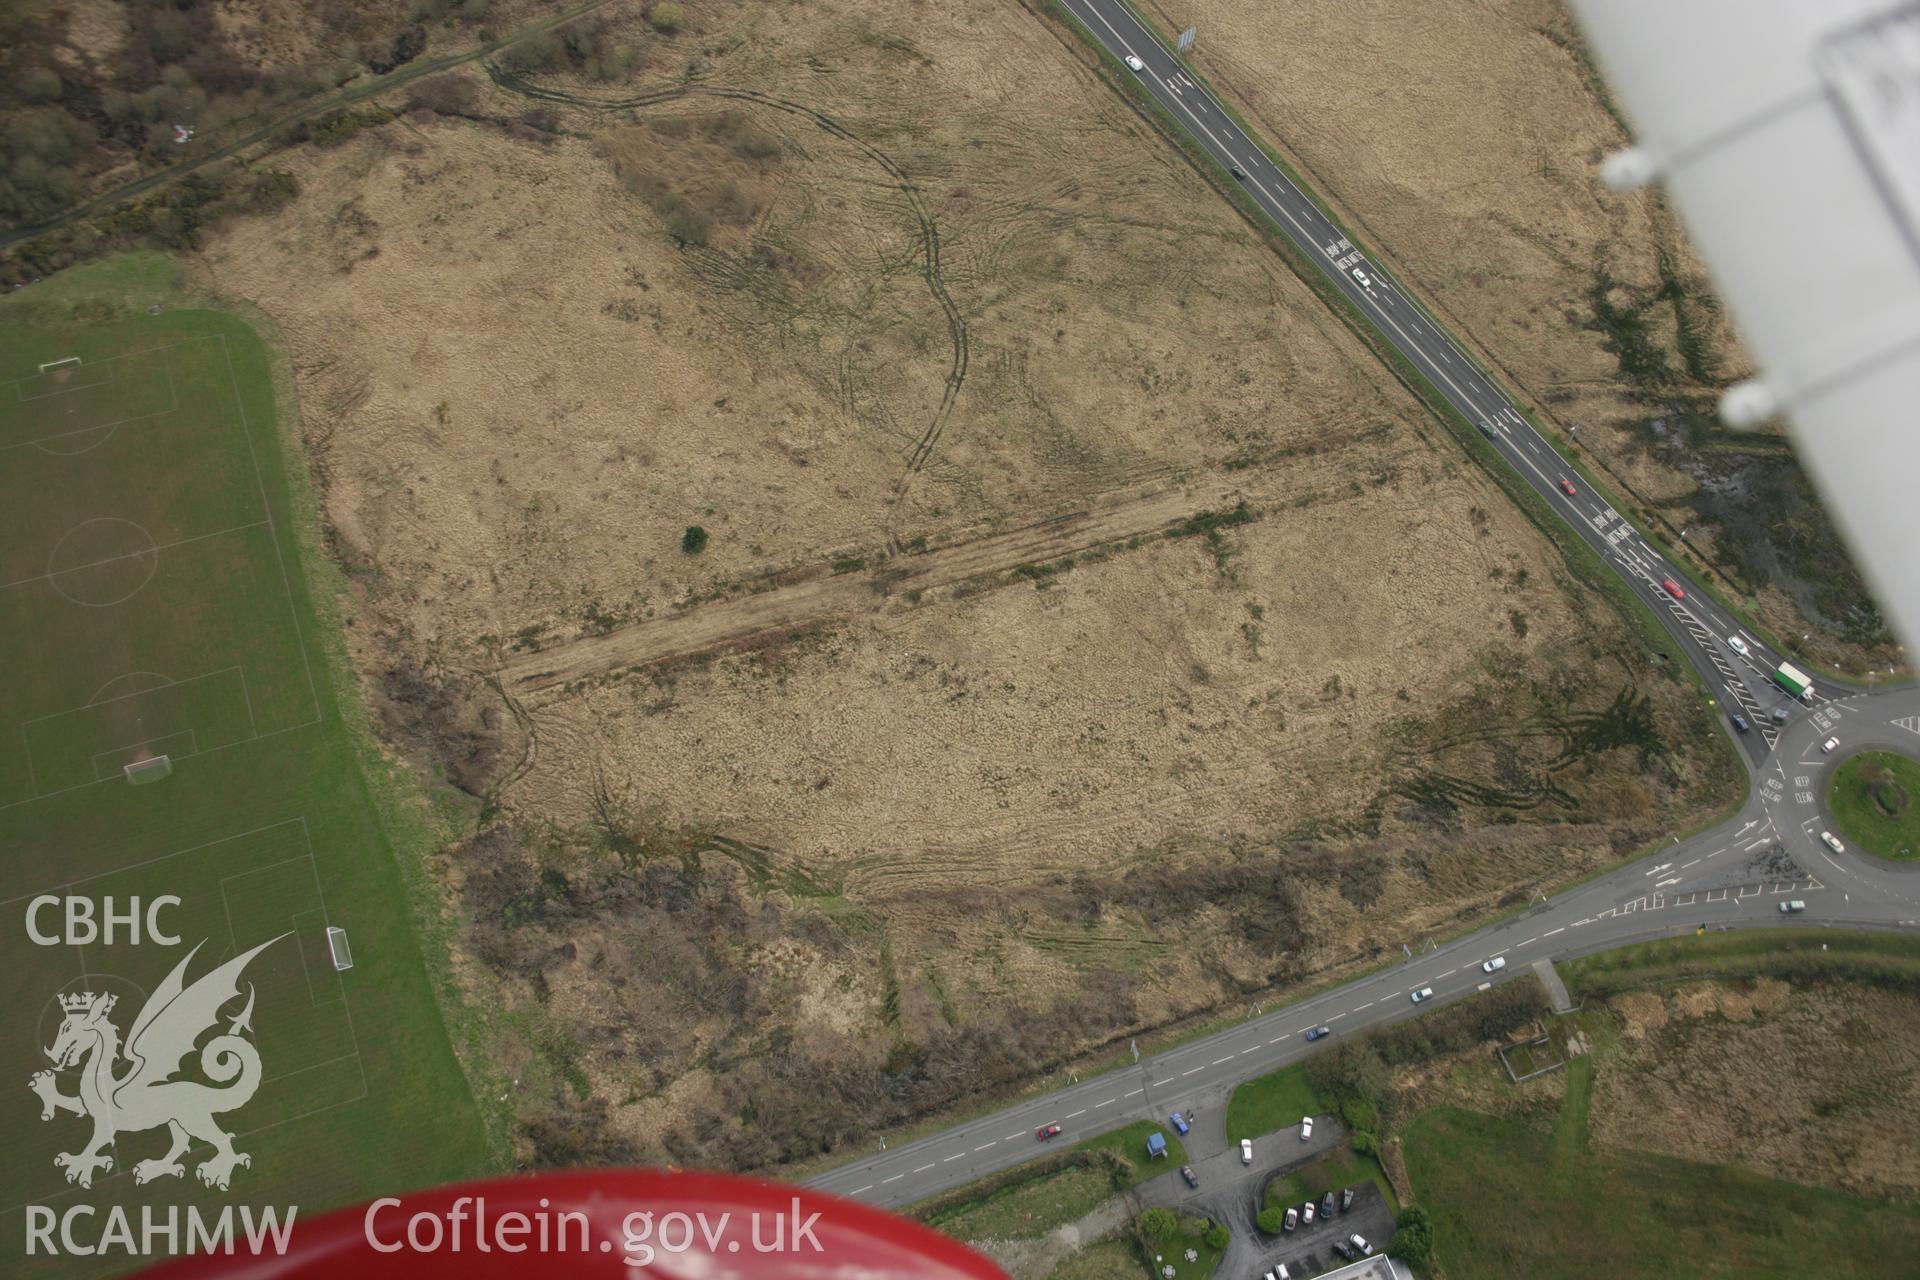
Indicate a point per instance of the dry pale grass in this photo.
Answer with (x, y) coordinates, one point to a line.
(1463, 143)
(1818, 1084)
(518, 390)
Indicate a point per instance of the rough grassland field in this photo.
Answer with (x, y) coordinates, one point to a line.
(153, 603)
(1089, 629)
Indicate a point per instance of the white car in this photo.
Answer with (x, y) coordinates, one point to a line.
(1829, 745)
(1738, 645)
(1366, 281)
(1790, 907)
(1832, 842)
(1306, 1214)
(1282, 1273)
(1494, 965)
(1424, 993)
(1134, 64)
(1246, 1151)
(1306, 1127)
(1360, 1242)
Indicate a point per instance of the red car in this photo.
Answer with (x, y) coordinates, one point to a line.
(1566, 487)
(1047, 1131)
(1674, 589)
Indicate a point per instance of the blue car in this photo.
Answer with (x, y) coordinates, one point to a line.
(1180, 1122)
(1317, 1032)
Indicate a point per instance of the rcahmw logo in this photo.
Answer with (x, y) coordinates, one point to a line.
(134, 1085)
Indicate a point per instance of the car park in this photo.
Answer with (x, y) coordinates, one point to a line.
(1424, 993)
(1828, 746)
(1738, 645)
(1306, 1128)
(1494, 965)
(1317, 1032)
(1792, 905)
(1046, 1132)
(1293, 1220)
(1134, 64)
(1180, 1122)
(1832, 842)
(1366, 281)
(1359, 1242)
(1740, 724)
(1186, 1171)
(1673, 589)
(1566, 487)
(1246, 1151)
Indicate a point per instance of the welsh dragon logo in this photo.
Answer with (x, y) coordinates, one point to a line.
(146, 1095)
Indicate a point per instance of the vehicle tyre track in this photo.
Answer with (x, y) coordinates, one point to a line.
(929, 438)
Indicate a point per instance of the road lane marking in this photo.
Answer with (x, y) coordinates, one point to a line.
(1245, 1052)
(923, 1168)
(1685, 865)
(1549, 933)
(1443, 973)
(868, 1187)
(1009, 1138)
(1530, 941)
(1109, 1102)
(1368, 1005)
(895, 1178)
(955, 1156)
(1082, 1111)
(984, 1146)
(1336, 1017)
(1188, 1073)
(1136, 1093)
(1218, 1061)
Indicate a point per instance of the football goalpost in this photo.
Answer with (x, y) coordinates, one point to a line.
(152, 769)
(337, 947)
(61, 363)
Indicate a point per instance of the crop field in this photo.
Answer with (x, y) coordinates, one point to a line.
(155, 614)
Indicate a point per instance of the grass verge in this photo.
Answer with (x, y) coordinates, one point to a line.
(1884, 959)
(1271, 1102)
(1129, 1145)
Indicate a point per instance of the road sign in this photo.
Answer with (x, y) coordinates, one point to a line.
(1186, 39)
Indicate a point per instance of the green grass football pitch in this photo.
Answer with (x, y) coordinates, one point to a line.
(153, 603)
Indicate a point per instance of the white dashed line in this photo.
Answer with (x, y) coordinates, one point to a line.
(895, 1178)
(1188, 1073)
(1278, 1039)
(1445, 972)
(923, 1168)
(1109, 1102)
(1076, 1115)
(1136, 1093)
(1336, 1017)
(1530, 941)
(1254, 1049)
(1218, 1061)
(1549, 933)
(868, 1187)
(1368, 1005)
(955, 1156)
(984, 1146)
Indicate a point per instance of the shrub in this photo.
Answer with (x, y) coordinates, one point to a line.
(1365, 1143)
(1158, 1223)
(694, 540)
(1216, 1237)
(1360, 1113)
(667, 17)
(1272, 1221)
(1412, 1235)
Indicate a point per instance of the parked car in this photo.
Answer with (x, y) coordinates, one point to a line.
(1346, 1199)
(1180, 1122)
(1359, 1242)
(1740, 724)
(1134, 64)
(1046, 1132)
(1791, 906)
(1306, 1128)
(1738, 645)
(1494, 965)
(1268, 1276)
(1246, 1151)
(1281, 1272)
(1340, 1247)
(1317, 1032)
(1306, 1214)
(1424, 993)
(1326, 1206)
(1828, 746)
(1566, 487)
(1673, 589)
(1832, 842)
(1293, 1220)
(1186, 1171)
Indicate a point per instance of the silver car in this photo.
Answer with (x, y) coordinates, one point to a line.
(1366, 281)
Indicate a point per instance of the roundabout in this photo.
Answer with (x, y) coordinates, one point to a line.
(1872, 797)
